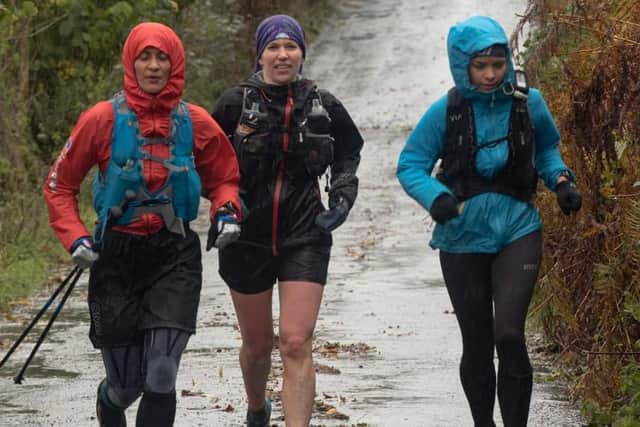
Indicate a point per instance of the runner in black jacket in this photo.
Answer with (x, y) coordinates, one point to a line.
(286, 133)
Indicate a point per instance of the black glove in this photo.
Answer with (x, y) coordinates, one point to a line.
(333, 218)
(443, 208)
(569, 198)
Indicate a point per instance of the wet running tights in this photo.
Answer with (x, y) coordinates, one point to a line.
(149, 369)
(490, 294)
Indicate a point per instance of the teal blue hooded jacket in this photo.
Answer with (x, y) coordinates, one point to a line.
(489, 221)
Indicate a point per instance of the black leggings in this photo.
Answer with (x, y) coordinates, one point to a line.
(490, 294)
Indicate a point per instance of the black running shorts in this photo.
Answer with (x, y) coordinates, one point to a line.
(144, 282)
(251, 269)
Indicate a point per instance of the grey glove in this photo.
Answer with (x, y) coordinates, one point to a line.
(224, 229)
(82, 253)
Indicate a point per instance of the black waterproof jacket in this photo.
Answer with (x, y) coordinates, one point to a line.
(281, 200)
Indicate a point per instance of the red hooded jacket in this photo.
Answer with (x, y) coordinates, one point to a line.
(90, 142)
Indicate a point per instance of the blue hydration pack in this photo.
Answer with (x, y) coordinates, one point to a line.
(176, 201)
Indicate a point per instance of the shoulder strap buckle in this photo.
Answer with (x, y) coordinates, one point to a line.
(521, 85)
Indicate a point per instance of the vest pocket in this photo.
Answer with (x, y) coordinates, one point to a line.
(187, 189)
(319, 155)
(109, 190)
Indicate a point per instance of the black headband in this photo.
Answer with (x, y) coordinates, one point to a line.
(493, 50)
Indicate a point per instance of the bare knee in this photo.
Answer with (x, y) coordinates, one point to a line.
(295, 347)
(257, 348)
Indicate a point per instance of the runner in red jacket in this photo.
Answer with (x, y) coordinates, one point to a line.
(156, 155)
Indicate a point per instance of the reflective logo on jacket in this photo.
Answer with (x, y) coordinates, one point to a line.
(121, 189)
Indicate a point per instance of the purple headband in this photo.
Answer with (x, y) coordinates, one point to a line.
(278, 27)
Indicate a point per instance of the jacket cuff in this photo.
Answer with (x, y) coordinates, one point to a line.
(562, 172)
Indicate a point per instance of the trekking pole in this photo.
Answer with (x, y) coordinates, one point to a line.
(18, 378)
(44, 308)
(115, 212)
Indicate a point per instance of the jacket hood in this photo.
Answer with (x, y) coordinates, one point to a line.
(464, 40)
(153, 110)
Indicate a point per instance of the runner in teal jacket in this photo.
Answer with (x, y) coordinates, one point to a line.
(495, 137)
(490, 221)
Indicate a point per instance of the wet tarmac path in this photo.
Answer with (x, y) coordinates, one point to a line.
(387, 346)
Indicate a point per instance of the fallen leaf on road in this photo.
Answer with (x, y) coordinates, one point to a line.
(329, 411)
(191, 393)
(329, 349)
(325, 369)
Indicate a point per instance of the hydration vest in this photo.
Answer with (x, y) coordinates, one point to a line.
(458, 170)
(122, 185)
(260, 134)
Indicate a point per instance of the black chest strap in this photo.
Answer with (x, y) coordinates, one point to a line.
(517, 179)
